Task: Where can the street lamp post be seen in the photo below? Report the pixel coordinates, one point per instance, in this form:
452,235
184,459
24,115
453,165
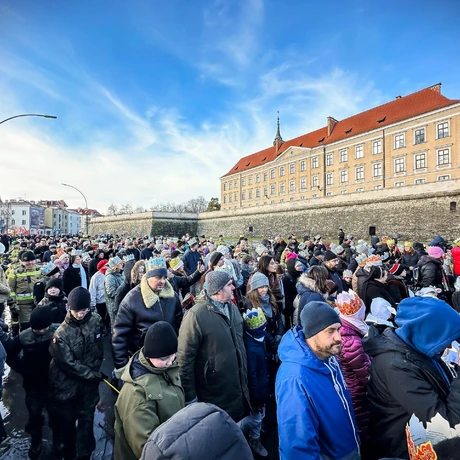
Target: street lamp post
28,115
86,206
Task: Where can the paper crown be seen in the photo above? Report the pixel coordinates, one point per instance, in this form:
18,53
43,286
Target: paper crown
176,263
114,261
191,242
348,303
373,260
254,319
128,258
155,263
76,252
48,268
361,259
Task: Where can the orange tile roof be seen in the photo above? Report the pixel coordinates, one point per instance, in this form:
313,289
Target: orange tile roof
423,101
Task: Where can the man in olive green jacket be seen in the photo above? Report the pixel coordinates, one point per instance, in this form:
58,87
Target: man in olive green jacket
151,393
211,353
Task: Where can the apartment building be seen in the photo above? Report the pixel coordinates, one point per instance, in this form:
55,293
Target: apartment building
411,140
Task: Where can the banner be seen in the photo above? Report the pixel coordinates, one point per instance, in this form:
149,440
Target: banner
37,218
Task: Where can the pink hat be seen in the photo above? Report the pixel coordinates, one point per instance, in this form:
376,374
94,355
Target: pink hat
435,252
291,255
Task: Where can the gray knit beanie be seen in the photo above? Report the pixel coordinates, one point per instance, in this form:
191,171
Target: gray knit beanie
215,281
317,316
259,280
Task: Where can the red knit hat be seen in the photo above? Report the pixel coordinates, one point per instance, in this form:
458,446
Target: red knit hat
102,264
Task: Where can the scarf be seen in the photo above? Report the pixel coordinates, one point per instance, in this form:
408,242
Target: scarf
266,305
357,320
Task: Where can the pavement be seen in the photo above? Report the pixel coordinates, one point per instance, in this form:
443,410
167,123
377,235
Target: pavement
14,414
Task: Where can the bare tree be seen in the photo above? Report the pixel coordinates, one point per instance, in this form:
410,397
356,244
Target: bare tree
139,209
112,210
126,209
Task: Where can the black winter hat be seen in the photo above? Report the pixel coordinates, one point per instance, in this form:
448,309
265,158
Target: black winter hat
317,316
41,317
317,252
329,255
55,282
79,299
27,256
215,257
160,340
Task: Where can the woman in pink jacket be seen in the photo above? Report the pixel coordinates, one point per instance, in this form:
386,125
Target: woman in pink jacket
355,363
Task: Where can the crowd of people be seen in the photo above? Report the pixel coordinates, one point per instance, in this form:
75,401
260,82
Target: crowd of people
347,342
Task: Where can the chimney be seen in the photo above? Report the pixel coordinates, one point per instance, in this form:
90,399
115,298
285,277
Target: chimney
331,122
436,87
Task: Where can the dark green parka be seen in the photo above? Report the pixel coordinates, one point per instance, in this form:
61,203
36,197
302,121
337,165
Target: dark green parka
212,357
77,352
149,397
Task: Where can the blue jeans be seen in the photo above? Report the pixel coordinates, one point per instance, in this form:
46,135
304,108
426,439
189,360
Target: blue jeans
252,422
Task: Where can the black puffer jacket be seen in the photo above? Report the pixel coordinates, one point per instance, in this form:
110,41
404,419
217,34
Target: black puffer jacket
125,287
430,272
182,283
58,305
198,431
138,311
92,266
373,289
404,382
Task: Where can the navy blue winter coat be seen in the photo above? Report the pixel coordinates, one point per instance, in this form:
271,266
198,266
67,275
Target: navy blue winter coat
190,260
259,389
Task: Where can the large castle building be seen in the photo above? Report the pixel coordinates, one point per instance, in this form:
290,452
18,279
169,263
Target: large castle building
411,140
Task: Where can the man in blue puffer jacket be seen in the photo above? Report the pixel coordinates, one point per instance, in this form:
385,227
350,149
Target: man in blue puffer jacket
315,413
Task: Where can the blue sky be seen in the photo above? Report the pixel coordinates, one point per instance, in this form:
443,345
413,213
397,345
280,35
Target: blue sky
157,100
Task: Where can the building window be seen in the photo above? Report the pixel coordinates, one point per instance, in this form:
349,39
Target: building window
376,169
360,173
292,168
303,166
443,157
265,176
250,195
257,192
13,222
420,161
400,165
377,187
329,179
343,156
314,162
314,195
314,181
243,195
291,199
272,189
225,186
344,176
292,186
225,199
419,136
272,173
329,193
243,181
23,222
399,184
400,141
443,130
303,183
229,197
343,192
235,197
257,178
359,151
445,177
24,212
453,206
302,197
230,185
329,159
249,180
360,189
282,187
377,147
281,171
420,181
281,200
